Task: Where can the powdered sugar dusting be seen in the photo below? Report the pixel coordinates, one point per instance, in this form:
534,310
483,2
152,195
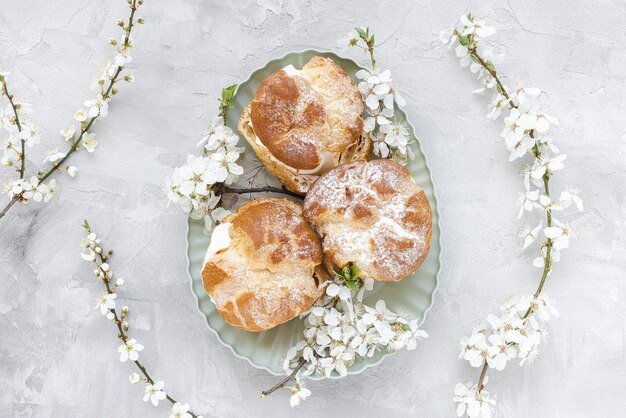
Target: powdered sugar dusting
371,214
324,116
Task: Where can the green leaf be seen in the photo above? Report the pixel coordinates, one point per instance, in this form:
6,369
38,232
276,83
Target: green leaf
405,327
364,34
464,40
355,270
1,78
86,225
351,285
345,272
227,94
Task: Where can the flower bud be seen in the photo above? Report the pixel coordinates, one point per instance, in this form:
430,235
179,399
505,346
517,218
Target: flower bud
104,267
71,170
134,378
120,282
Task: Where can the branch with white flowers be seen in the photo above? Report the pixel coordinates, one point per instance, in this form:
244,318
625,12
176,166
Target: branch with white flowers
198,185
340,329
94,253
521,327
390,138
24,134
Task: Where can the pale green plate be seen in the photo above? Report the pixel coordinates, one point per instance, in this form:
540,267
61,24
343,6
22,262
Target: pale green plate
266,350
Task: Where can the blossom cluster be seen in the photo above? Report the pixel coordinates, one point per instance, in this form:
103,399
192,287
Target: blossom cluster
522,325
390,137
340,329
22,134
515,333
93,252
191,185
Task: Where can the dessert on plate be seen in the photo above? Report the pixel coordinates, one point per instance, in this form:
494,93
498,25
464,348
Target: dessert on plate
263,265
302,123
373,215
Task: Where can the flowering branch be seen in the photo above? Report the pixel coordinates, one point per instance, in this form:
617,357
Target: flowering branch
23,191
340,329
522,325
198,185
16,115
289,378
129,350
390,138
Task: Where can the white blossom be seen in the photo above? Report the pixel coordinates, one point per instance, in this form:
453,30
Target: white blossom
471,402
530,235
130,350
349,39
569,196
106,302
68,133
559,234
89,142
475,26
80,115
154,392
97,107
298,393
180,411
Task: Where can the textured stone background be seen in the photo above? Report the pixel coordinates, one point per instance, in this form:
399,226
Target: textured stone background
58,356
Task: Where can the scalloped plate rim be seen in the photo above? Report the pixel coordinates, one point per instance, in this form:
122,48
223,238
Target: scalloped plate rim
435,208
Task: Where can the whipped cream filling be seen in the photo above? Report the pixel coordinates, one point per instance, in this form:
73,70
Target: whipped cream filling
291,70
220,240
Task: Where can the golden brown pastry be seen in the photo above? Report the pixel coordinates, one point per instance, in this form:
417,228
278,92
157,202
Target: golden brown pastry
303,123
371,214
263,265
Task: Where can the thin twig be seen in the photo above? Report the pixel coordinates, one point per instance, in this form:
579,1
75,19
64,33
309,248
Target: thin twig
8,206
286,380
265,189
19,128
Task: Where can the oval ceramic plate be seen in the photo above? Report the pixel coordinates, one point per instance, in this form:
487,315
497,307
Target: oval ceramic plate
266,350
